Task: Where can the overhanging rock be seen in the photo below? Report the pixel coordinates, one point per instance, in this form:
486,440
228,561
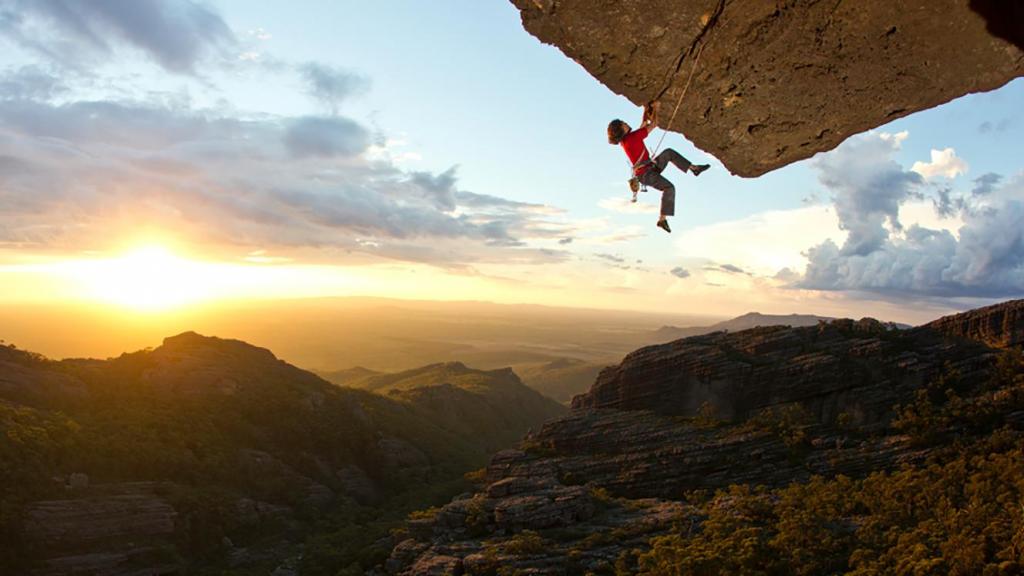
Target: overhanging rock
781,80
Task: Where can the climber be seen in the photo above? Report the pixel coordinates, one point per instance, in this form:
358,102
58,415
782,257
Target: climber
647,172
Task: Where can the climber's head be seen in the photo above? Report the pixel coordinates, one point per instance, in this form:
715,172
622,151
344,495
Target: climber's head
617,130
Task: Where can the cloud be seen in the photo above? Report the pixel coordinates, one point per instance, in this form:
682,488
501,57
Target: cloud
986,183
624,206
325,137
985,259
565,241
762,243
680,272
175,34
944,163
868,187
81,175
946,206
331,86
731,269
610,258
30,83
988,127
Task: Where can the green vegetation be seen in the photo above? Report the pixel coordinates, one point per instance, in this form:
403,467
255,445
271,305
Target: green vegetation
216,421
961,516
961,513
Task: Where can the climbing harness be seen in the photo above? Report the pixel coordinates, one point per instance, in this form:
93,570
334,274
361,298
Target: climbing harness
635,185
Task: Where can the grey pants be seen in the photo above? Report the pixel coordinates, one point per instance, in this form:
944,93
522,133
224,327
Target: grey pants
654,179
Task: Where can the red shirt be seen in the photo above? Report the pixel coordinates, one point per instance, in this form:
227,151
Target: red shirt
633,144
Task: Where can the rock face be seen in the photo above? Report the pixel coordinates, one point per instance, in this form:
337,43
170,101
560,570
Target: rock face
999,326
767,406
779,81
858,367
86,535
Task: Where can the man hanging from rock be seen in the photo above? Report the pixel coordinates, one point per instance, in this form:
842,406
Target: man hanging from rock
646,171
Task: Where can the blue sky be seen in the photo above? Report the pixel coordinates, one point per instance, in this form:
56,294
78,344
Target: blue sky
432,86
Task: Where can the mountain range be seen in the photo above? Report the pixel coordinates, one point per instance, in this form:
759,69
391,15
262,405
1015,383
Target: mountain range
206,454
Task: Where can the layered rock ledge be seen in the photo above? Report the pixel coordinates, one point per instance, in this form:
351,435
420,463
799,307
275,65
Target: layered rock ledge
766,406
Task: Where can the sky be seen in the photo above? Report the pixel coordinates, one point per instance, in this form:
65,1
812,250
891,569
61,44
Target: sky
161,153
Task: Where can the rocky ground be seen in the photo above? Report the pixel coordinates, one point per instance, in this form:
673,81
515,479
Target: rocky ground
767,406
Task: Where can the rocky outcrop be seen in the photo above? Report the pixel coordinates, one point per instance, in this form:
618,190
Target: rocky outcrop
766,406
88,535
779,81
858,367
82,521
998,326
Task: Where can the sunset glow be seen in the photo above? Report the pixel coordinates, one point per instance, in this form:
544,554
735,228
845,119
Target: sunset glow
148,278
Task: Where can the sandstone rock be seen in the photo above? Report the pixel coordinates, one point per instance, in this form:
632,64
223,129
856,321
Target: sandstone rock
403,554
518,485
778,82
842,366
128,563
435,565
998,326
553,507
74,523
632,437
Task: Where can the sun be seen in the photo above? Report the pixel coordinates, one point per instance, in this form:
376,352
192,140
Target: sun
149,278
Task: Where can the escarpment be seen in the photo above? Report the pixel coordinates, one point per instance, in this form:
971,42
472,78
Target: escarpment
777,82
673,423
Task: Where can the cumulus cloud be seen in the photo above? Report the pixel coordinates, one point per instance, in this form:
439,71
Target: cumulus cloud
946,205
868,187
984,259
175,34
944,163
680,272
331,86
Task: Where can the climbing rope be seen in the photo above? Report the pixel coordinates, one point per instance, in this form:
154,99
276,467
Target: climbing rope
693,69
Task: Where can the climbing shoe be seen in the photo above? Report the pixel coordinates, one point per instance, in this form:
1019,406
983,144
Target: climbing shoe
663,224
698,168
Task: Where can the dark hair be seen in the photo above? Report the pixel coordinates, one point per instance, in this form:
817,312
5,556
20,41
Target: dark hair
616,131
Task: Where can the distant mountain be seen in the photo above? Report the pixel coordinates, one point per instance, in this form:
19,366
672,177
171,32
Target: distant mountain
207,452
744,322
348,376
489,405
560,379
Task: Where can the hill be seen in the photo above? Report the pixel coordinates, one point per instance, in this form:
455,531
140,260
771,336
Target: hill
204,455
492,406
848,447
744,322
